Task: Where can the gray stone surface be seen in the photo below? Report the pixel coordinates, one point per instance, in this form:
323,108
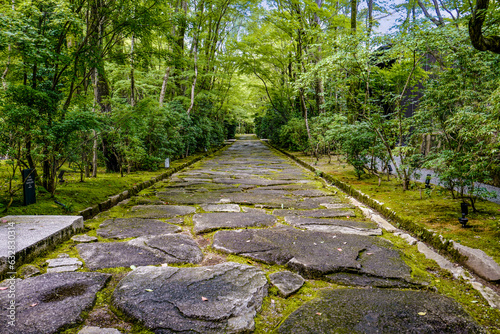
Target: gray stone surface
479,262
380,311
122,228
50,302
312,193
316,254
83,238
98,330
62,264
319,213
101,255
206,222
173,248
218,299
33,235
161,211
221,207
286,282
334,225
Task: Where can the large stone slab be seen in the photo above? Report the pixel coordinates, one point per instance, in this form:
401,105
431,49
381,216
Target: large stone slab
221,207
49,303
211,197
267,200
173,248
380,311
31,235
206,222
318,213
334,225
100,255
122,228
316,254
218,299
161,211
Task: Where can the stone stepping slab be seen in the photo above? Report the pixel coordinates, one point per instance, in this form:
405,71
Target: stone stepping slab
267,200
318,213
316,254
173,248
206,222
142,251
253,181
62,264
221,207
223,298
211,197
311,193
334,225
286,282
50,302
100,255
122,228
380,311
161,211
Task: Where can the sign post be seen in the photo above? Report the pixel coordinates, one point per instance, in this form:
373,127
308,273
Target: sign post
167,162
29,186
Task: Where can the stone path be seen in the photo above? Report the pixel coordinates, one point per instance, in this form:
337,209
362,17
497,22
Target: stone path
244,242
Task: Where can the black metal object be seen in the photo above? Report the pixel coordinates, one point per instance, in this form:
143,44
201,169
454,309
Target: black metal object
29,186
465,211
61,176
428,181
389,169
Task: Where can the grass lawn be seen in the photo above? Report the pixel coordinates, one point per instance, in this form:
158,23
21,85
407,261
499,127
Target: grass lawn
438,212
73,193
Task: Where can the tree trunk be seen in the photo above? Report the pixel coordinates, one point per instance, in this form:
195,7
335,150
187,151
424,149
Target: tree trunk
354,14
94,155
479,41
132,80
164,86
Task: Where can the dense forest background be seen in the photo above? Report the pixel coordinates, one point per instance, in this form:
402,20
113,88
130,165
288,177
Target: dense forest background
125,84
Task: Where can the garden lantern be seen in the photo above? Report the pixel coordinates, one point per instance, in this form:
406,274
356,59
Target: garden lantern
465,211
428,181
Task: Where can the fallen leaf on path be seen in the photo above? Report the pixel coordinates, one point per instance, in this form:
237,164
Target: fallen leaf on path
204,299
339,249
149,290
422,313
133,267
3,288
34,304
317,313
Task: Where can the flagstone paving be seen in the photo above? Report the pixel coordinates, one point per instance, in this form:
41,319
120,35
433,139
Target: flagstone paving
195,254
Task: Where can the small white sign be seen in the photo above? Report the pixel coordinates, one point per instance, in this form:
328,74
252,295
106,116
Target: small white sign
167,163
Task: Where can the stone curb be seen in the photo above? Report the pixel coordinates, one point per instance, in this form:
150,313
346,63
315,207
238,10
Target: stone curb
93,211
447,247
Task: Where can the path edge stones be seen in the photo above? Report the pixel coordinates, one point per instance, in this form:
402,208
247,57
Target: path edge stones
112,201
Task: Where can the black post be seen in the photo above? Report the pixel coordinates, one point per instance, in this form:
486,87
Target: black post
29,186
